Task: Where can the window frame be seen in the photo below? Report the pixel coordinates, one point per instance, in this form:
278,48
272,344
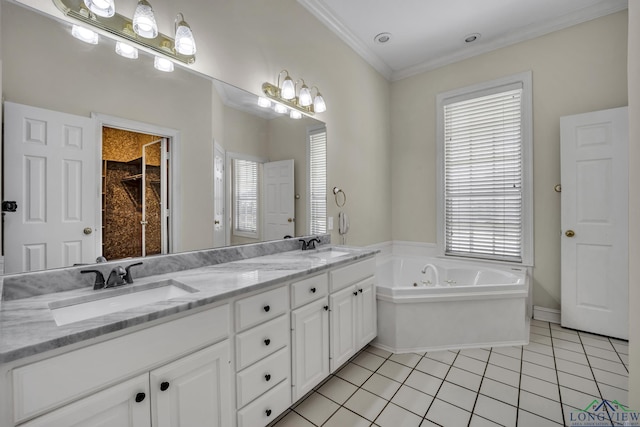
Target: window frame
524,80
231,157
311,131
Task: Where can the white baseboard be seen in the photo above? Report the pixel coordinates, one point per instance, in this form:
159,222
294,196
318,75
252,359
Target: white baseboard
546,314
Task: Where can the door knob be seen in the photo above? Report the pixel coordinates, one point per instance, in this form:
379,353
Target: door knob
569,233
290,220
87,230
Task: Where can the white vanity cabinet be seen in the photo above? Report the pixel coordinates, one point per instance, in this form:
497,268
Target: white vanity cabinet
353,314
309,334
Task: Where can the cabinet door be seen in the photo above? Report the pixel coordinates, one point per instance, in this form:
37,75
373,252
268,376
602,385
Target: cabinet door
342,318
366,313
193,391
310,342
123,405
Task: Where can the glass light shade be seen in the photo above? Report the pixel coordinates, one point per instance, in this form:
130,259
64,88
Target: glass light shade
185,43
318,104
304,98
105,8
163,64
288,90
295,114
84,34
264,102
144,21
280,109
126,50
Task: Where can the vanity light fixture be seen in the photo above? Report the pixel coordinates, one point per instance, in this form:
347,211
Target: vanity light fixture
84,34
126,50
285,95
162,64
141,32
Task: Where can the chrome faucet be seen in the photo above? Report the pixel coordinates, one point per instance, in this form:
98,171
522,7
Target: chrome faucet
435,274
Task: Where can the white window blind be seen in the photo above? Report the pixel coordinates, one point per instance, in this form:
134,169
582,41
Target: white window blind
245,195
318,181
483,177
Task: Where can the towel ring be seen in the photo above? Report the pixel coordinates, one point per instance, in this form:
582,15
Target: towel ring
337,192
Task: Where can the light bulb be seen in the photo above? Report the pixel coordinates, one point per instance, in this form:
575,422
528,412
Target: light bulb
105,8
84,34
126,50
288,90
318,104
185,43
295,114
163,64
144,21
280,109
264,102
305,96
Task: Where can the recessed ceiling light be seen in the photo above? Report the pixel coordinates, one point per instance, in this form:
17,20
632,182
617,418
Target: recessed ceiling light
382,38
470,38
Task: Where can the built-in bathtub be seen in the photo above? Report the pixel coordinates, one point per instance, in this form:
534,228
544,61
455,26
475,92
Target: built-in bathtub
472,306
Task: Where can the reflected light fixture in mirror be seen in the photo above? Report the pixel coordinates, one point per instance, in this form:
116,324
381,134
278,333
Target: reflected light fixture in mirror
144,21
163,64
104,8
280,109
84,34
285,94
126,50
295,114
264,102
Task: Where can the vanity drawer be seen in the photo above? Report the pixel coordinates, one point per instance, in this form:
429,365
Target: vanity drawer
345,276
261,341
47,384
267,407
256,379
308,290
261,307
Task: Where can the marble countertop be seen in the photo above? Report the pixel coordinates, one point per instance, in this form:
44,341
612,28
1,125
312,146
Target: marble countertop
27,326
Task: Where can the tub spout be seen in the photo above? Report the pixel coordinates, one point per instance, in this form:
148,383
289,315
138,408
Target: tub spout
436,279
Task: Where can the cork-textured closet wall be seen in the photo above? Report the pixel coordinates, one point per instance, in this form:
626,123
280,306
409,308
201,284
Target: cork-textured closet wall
122,203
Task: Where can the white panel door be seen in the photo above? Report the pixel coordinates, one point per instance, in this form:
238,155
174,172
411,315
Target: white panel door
279,200
193,391
310,342
123,405
366,312
50,171
342,321
219,225
594,220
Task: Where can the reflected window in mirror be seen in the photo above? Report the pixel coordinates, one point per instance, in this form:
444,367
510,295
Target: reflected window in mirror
317,149
245,194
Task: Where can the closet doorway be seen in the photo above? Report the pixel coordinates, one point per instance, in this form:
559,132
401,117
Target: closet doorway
135,171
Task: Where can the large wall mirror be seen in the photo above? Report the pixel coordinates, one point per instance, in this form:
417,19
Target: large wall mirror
109,157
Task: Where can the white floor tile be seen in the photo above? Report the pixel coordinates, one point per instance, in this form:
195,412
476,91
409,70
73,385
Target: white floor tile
503,375
395,371
540,387
565,334
293,420
365,404
574,368
544,349
540,405
478,421
540,323
541,372
464,378
571,356
624,358
476,353
602,354
368,360
515,352
407,359
568,345
598,342
469,364
337,390
457,395
394,416
317,408
412,400
539,339
615,380
344,417
607,365
495,410
575,398
497,390
424,382
447,415
613,393
381,386
578,383
355,374
540,330
433,367
537,358
427,423
378,351
442,356
527,419
505,362
620,346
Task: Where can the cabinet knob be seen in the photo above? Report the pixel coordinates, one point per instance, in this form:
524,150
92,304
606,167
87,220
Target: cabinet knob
326,308
164,386
313,290
355,293
140,397
267,308
267,341
267,377
268,412
360,290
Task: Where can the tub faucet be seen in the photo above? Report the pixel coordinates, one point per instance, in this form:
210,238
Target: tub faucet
435,274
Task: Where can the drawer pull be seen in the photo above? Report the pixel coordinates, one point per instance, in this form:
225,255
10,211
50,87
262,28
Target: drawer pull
164,386
140,397
313,290
268,412
326,308
267,308
267,377
267,341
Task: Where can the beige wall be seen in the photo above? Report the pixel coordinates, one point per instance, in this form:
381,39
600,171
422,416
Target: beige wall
634,204
579,69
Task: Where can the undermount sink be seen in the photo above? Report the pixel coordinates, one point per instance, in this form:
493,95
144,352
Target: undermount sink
329,253
114,300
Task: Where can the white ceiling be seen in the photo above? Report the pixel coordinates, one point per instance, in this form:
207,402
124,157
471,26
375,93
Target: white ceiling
428,34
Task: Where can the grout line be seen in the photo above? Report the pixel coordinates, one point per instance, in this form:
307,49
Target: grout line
473,408
555,366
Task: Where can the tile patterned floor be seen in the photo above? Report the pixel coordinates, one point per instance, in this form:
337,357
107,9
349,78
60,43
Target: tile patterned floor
541,384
